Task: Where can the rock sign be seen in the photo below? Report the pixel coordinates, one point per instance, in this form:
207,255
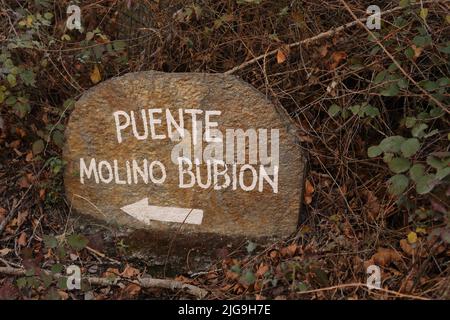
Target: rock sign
205,152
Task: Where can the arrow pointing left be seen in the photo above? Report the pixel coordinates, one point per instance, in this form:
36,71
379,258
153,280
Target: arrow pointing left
144,212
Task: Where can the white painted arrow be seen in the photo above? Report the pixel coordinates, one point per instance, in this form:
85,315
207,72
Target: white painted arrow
144,212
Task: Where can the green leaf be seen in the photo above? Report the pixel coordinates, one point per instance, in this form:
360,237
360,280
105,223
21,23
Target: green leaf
418,130
11,80
248,277
435,162
58,138
398,184
409,53
374,151
429,85
410,147
77,241
392,144
119,45
38,146
355,109
399,165
28,78
442,173
443,82
379,78
21,282
425,184
404,3
334,110
387,157
371,111
57,268
50,241
391,91
423,13
416,171
11,100
410,122
422,41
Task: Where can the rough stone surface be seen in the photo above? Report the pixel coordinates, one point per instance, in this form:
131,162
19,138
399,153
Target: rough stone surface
91,133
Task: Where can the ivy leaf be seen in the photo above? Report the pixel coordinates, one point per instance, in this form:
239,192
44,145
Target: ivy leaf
398,184
77,241
399,165
374,151
410,147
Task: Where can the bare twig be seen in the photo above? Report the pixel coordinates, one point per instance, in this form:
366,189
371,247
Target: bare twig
142,282
322,35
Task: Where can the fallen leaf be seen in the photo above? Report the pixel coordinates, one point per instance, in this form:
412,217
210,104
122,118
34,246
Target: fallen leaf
130,272
111,272
309,190
412,237
263,268
131,291
372,205
95,75
8,291
4,252
22,240
417,51
323,50
407,248
281,56
2,213
384,256
337,57
21,217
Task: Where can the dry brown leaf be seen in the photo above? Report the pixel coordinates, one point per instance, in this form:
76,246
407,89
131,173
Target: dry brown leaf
263,268
23,183
21,217
22,240
384,256
131,291
2,213
309,190
4,252
281,56
417,51
95,75
323,50
130,272
372,205
111,272
337,57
